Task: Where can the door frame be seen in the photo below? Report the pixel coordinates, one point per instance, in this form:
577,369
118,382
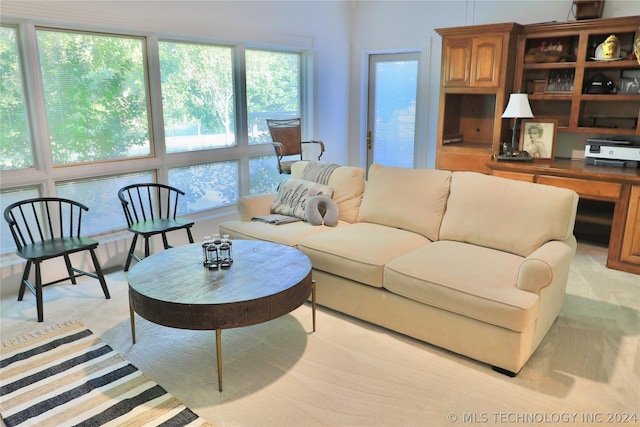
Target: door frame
427,95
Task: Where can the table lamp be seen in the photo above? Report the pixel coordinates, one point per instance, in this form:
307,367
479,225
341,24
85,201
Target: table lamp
517,108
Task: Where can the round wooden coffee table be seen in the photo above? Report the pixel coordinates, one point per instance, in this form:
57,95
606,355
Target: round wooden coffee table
267,280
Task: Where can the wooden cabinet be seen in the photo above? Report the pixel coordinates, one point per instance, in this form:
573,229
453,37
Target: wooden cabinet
472,62
553,63
557,61
477,76
630,252
616,187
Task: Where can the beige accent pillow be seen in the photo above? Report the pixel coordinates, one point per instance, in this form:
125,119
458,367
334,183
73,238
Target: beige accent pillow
410,199
348,186
293,195
508,215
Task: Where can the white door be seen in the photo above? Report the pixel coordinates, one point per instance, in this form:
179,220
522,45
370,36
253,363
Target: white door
393,88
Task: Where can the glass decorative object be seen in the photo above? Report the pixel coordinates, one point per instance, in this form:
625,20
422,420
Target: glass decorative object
226,258
210,258
205,257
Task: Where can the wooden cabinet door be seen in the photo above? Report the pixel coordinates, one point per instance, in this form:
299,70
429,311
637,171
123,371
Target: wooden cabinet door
457,62
485,61
631,239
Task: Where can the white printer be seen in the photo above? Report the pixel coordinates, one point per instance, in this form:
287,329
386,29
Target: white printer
611,152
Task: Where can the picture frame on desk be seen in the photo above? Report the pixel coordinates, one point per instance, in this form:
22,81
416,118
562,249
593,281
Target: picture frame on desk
538,138
560,81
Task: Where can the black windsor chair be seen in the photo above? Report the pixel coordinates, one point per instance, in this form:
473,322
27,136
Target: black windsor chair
151,209
45,228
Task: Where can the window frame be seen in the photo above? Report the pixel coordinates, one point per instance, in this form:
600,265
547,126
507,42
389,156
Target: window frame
44,175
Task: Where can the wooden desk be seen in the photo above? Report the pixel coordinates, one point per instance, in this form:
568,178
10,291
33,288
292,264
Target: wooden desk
620,186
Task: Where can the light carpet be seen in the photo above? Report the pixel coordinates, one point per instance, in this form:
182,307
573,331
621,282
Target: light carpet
66,376
350,373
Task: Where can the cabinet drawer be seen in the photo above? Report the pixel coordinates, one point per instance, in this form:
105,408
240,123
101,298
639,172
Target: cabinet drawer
463,162
519,176
585,188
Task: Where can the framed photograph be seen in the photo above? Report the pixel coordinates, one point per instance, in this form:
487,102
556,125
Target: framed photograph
538,138
630,82
560,81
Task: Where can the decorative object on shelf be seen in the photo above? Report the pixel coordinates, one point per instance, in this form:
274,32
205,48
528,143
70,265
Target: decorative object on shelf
549,51
588,9
517,108
538,138
560,81
515,156
630,82
510,155
600,84
225,257
608,50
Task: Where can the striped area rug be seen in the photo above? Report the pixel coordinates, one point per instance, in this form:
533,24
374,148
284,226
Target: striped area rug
66,376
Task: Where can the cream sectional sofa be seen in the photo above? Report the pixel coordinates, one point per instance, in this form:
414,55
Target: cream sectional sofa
472,263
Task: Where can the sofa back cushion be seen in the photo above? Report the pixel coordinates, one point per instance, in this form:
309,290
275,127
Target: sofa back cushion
508,215
410,199
348,185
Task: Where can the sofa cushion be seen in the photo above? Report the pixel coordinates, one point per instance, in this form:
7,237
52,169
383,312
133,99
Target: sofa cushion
476,282
505,214
293,195
359,251
348,185
411,199
287,234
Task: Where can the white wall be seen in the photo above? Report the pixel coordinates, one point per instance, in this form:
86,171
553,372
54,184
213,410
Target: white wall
382,26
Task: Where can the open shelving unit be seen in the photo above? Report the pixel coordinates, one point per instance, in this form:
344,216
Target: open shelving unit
614,114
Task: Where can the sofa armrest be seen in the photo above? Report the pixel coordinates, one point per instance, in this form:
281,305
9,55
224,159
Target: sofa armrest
547,264
250,206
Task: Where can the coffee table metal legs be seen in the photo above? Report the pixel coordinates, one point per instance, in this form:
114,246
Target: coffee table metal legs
313,303
133,322
219,356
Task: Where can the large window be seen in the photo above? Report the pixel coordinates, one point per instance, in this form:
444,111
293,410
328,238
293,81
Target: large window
206,186
111,110
197,96
273,90
15,141
95,93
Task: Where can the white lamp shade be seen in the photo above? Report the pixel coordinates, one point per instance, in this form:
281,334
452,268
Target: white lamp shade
518,107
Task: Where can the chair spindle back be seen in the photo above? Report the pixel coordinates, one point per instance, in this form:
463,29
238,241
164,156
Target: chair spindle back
149,201
39,219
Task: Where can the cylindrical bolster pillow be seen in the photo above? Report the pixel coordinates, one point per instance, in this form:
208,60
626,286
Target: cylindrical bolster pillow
321,210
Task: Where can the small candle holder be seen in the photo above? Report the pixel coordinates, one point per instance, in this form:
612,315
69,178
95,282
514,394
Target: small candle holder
210,258
206,240
226,258
213,260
